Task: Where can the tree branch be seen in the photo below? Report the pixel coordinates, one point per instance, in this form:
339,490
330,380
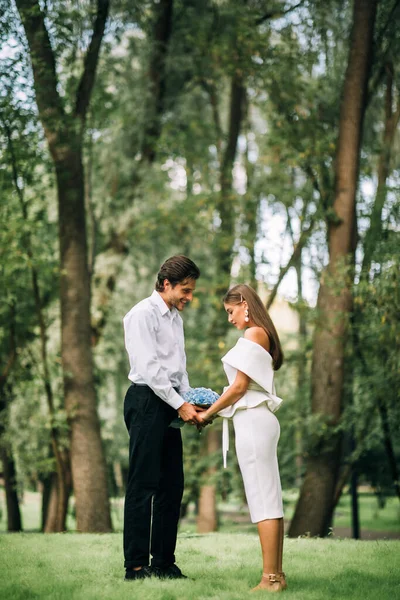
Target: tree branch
12,355
43,65
157,76
276,14
391,19
91,60
210,88
305,234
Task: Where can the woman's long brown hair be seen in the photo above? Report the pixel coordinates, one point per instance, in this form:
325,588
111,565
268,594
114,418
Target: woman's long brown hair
259,315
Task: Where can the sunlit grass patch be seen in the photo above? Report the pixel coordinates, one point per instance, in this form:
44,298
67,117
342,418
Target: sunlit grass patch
220,566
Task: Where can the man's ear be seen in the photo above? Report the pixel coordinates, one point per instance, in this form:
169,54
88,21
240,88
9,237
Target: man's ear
167,284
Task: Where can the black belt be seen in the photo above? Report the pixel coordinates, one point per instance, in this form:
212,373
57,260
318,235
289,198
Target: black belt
145,385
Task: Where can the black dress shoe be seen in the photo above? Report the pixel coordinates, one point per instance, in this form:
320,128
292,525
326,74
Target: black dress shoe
143,573
171,572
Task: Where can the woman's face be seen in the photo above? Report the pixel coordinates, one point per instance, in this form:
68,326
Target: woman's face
236,314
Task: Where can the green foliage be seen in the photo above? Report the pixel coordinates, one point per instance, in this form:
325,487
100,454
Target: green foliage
138,214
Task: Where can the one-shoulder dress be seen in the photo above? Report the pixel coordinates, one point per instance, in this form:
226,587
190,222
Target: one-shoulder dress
256,428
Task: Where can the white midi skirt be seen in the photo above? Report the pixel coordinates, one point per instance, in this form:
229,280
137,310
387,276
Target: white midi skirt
257,433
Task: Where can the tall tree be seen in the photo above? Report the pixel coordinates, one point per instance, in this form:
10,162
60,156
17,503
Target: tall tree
391,121
14,521
313,512
64,131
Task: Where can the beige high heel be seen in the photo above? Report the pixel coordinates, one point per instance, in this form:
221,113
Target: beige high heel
270,582
283,579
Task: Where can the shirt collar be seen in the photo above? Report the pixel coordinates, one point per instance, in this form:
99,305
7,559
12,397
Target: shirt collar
162,306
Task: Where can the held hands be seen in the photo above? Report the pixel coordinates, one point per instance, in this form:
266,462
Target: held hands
189,413
203,420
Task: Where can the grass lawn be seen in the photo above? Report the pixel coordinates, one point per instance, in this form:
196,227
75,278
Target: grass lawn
222,566
372,517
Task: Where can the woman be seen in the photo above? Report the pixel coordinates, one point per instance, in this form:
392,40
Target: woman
250,401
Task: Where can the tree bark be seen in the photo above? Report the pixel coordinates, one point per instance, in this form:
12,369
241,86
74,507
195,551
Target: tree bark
64,136
157,78
225,206
207,519
301,371
250,212
387,441
87,457
371,239
14,521
314,508
392,117
61,457
223,258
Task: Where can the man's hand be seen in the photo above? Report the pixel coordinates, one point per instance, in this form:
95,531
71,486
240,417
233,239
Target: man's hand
188,413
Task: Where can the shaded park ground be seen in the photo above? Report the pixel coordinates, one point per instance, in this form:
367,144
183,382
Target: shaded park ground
376,522
223,565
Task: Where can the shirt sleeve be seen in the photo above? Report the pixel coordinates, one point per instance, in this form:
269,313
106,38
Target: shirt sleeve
140,341
184,387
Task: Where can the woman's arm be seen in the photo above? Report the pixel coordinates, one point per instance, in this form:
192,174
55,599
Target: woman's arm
234,392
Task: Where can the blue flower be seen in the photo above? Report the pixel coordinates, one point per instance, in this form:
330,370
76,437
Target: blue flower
200,396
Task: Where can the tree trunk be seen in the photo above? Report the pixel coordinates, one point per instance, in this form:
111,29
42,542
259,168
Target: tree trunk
223,257
154,107
392,117
46,484
87,457
51,520
61,457
207,519
301,374
64,133
314,508
14,522
387,441
56,494
225,205
371,239
250,211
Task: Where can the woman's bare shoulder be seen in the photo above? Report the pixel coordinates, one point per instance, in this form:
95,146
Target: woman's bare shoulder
257,335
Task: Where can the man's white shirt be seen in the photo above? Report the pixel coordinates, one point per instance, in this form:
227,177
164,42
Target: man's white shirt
154,340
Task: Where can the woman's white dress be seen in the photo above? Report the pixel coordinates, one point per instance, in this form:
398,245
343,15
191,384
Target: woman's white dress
256,429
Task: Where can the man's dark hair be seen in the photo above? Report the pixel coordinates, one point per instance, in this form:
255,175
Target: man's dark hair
176,269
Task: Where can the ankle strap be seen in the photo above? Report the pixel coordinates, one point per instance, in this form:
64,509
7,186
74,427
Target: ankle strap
273,577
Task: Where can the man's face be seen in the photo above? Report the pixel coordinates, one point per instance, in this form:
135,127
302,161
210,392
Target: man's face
180,294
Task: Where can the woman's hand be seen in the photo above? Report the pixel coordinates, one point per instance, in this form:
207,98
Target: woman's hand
203,420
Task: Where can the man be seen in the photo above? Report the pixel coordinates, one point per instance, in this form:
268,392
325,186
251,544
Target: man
154,341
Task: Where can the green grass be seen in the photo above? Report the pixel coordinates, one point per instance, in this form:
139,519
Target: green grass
222,567
372,517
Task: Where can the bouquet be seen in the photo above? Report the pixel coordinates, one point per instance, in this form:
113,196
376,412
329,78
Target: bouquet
200,396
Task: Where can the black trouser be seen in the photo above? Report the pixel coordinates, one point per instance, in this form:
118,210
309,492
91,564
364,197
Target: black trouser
155,481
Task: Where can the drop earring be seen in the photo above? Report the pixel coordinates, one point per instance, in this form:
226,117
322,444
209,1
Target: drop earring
246,315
